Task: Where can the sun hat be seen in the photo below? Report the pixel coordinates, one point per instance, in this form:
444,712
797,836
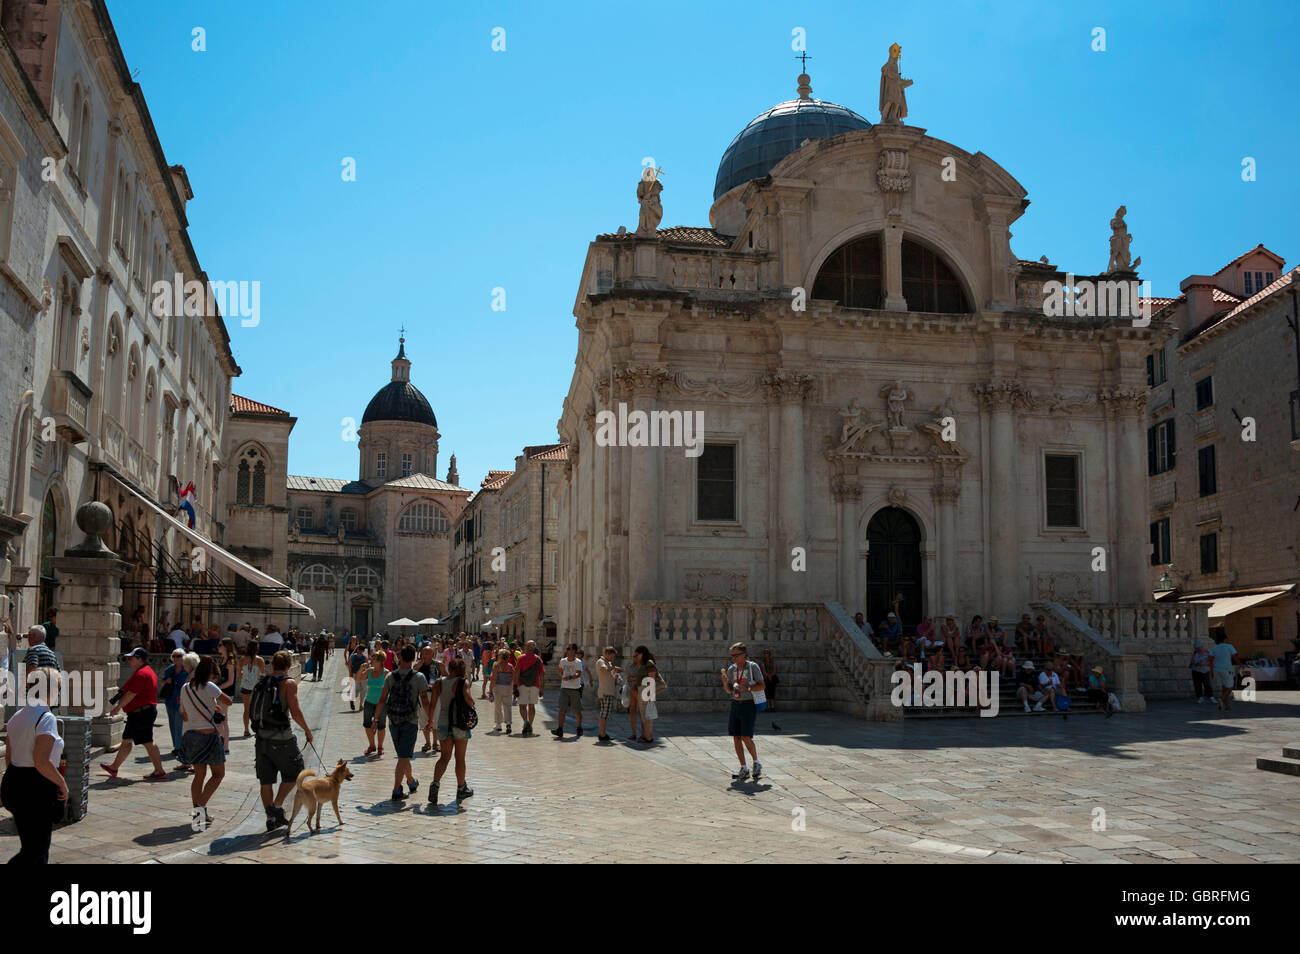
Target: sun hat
1029,664
1098,670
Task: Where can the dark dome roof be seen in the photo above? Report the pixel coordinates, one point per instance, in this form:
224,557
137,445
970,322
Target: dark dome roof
773,135
399,401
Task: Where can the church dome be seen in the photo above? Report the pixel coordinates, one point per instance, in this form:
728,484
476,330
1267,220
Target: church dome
399,399
774,134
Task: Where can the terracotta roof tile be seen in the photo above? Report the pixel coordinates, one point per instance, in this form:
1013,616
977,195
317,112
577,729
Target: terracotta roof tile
547,452
678,235
1258,248
1286,279
496,479
243,405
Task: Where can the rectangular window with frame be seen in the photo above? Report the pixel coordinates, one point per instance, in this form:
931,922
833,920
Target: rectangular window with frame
381,465
715,483
1207,473
1250,286
1204,392
1160,447
1157,369
1061,477
1210,553
406,465
1264,629
1160,542
304,518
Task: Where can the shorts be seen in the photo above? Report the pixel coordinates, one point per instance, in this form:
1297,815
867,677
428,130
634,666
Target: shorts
277,756
456,735
139,725
528,695
605,705
200,749
1223,679
740,723
404,735
368,717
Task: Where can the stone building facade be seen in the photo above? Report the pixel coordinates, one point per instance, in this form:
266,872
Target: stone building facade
529,509
368,551
887,408
135,393
255,499
472,584
1223,411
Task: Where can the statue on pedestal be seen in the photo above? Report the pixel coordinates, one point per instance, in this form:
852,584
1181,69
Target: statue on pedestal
893,99
895,396
1119,244
652,212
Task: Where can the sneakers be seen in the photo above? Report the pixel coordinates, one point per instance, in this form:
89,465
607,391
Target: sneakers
463,792
558,733
433,794
398,795
497,727
1199,700
1026,705
602,738
275,817
578,734
758,770
1038,707
412,785
508,729
742,775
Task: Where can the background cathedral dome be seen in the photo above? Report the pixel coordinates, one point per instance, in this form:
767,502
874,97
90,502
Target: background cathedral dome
399,399
774,134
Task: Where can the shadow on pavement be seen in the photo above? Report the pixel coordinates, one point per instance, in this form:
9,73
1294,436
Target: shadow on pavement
165,836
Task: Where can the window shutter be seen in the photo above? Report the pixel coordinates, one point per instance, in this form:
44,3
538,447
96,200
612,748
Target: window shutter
1170,436
1151,450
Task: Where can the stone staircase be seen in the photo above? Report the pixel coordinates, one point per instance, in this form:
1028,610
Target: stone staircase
1008,704
1288,764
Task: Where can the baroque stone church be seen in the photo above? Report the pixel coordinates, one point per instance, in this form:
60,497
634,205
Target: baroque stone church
359,552
888,412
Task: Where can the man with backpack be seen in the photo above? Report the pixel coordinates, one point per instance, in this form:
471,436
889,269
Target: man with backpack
404,688
528,685
273,703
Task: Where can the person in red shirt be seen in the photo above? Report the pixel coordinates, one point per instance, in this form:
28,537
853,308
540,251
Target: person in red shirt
529,676
139,702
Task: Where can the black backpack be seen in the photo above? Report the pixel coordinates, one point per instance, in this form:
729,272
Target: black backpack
267,709
459,715
401,700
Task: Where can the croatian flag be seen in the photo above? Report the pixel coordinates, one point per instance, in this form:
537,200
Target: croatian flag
186,496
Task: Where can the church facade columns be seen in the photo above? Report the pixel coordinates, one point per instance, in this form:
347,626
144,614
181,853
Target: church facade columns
788,389
999,399
847,492
639,385
1126,406
945,492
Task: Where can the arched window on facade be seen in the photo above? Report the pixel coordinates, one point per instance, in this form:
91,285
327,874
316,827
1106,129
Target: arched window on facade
115,360
317,575
424,517
74,128
853,276
929,284
250,478
84,143
135,388
120,216
362,576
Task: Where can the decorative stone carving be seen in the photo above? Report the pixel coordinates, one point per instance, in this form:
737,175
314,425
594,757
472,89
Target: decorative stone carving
1119,244
946,490
1003,394
85,342
47,296
855,428
896,395
892,174
893,98
935,428
787,385
715,387
132,366
1122,400
846,488
148,390
897,496
641,379
652,211
713,585
113,341
1062,587
1059,403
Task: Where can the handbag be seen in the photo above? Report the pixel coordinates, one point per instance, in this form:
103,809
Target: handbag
1114,703
471,717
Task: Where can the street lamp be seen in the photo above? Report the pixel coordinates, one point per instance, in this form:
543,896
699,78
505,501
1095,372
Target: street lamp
1165,584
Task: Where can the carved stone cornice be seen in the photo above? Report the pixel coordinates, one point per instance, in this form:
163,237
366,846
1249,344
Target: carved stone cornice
787,386
846,488
892,174
1001,395
640,379
1060,403
946,491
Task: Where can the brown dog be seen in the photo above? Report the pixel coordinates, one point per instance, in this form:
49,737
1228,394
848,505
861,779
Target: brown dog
315,792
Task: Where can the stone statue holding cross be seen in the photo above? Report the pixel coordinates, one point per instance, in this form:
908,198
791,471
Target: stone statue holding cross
652,212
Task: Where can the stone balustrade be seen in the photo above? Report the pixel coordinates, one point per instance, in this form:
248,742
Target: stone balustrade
1123,621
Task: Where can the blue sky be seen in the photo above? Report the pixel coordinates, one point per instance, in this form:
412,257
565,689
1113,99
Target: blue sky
478,169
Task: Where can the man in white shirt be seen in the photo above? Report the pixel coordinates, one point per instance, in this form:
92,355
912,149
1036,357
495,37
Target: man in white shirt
1223,657
178,637
570,690
272,635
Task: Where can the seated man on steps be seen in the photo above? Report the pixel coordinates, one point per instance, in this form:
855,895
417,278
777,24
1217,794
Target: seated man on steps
1027,687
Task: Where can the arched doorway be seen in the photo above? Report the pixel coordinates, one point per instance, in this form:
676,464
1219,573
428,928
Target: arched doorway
894,567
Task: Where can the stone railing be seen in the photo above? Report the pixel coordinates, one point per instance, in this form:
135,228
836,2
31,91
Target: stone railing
865,670
330,546
114,440
1120,621
1071,631
727,621
69,404
134,459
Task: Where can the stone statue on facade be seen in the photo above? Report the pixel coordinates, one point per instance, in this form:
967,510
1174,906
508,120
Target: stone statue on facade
652,211
895,396
855,427
1119,244
893,99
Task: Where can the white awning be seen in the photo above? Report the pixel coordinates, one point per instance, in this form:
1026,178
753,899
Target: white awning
428,621
498,620
1225,606
226,559
403,622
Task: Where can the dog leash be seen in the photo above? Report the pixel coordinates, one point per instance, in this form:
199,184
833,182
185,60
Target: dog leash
320,761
